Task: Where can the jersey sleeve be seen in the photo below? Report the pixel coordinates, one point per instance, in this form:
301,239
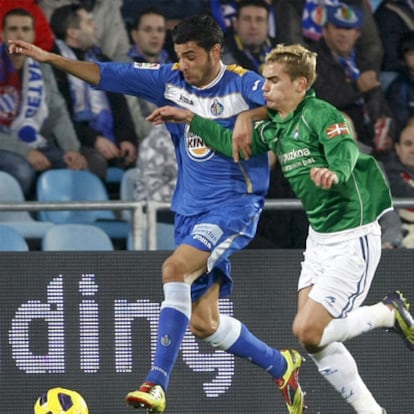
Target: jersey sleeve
142,80
337,138
221,139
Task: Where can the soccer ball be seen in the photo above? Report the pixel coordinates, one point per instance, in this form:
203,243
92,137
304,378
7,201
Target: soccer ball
60,401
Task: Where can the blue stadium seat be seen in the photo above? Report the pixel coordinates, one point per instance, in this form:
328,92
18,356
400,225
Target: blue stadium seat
76,237
114,175
11,240
73,185
22,221
165,238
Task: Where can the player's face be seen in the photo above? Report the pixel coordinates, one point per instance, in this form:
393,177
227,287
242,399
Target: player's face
340,40
198,67
279,91
19,28
150,35
405,148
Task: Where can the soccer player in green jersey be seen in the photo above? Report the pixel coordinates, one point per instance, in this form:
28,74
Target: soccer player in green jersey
344,193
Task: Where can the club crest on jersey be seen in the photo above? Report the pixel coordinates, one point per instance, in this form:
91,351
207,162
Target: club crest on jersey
197,150
216,108
146,65
335,130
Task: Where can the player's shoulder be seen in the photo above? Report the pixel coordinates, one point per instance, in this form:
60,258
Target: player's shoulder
237,69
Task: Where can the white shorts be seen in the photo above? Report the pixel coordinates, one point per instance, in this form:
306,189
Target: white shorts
340,267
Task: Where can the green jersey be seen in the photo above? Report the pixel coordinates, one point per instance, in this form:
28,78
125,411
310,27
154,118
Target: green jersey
315,135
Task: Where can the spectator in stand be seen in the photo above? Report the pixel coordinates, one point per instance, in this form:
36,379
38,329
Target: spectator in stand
313,16
43,33
349,81
284,22
394,19
148,33
400,171
33,114
112,36
248,43
102,120
400,92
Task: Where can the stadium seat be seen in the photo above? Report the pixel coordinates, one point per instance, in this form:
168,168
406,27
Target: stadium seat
11,240
165,238
127,189
73,185
22,221
114,175
76,237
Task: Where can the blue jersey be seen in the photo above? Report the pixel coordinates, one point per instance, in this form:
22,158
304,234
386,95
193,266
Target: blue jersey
206,179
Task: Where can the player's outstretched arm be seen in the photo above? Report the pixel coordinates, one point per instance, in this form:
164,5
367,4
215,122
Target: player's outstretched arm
87,71
170,114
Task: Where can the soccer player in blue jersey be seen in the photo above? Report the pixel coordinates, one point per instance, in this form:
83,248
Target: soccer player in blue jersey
217,202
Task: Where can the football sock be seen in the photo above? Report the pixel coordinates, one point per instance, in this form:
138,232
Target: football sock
357,322
234,337
337,365
174,317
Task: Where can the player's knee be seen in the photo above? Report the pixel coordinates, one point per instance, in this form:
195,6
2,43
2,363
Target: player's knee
307,334
201,328
172,271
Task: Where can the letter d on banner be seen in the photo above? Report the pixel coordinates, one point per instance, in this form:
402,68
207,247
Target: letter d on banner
52,313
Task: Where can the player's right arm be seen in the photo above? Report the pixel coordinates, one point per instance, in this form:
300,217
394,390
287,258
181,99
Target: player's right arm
88,71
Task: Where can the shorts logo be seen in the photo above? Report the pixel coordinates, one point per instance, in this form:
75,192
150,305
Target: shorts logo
207,233
197,150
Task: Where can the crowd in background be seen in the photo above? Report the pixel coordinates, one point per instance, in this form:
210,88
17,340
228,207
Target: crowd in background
365,68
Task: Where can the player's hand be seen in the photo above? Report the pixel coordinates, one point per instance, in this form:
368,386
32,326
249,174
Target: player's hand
20,47
242,136
170,114
323,177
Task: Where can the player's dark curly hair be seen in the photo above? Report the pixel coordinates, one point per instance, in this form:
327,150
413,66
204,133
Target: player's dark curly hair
202,30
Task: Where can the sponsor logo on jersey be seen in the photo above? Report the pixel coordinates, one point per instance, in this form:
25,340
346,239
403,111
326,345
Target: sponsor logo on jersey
294,154
196,148
216,108
335,130
146,65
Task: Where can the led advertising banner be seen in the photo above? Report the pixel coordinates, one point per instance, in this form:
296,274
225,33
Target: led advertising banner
88,321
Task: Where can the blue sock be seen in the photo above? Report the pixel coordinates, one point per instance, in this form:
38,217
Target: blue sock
259,353
171,330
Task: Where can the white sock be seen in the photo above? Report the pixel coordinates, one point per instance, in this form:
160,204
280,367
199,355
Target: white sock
177,295
360,320
337,365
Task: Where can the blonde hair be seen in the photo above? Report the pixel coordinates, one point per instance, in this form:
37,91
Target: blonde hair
298,61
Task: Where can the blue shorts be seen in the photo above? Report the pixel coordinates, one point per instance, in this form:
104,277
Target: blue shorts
227,229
